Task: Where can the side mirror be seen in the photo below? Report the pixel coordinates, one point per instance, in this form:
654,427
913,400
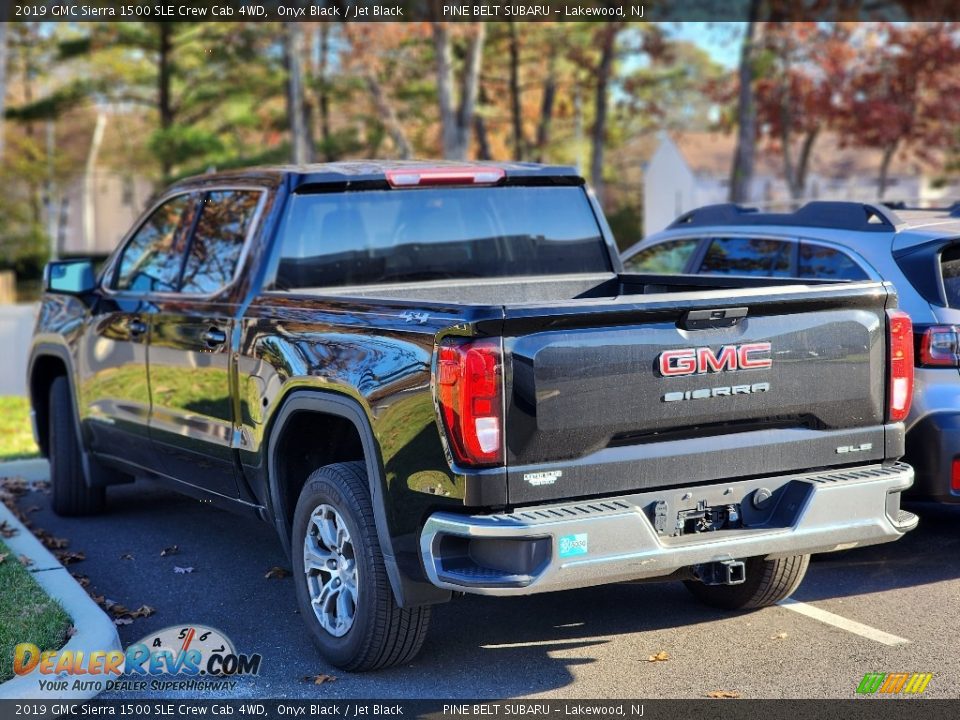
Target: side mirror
70,277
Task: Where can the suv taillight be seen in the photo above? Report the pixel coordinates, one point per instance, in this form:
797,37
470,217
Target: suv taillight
468,387
940,346
900,344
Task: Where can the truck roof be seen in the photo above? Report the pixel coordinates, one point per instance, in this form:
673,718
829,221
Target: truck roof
365,171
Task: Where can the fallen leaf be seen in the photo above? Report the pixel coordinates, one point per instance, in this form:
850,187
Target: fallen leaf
122,621
172,550
3,556
142,612
98,599
32,509
318,679
7,530
69,557
50,542
116,608
182,570
24,560
83,580
71,631
723,694
779,636
126,556
659,657
276,573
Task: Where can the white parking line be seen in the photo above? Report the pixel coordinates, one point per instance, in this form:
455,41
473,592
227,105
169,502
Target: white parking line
871,633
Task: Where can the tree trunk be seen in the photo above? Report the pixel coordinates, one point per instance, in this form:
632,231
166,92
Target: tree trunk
470,90
480,128
164,78
389,117
516,106
324,93
888,153
803,162
741,174
546,105
3,82
90,184
457,123
448,119
301,142
604,70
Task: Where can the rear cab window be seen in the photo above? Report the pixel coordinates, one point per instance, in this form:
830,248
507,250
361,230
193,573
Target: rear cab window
373,237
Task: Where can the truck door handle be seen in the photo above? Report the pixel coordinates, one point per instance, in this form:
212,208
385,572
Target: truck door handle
137,328
214,337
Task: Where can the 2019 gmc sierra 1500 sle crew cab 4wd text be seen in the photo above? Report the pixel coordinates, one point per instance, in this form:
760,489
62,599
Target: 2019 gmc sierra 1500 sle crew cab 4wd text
436,379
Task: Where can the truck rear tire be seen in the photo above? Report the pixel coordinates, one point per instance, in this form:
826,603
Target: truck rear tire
72,496
343,591
767,583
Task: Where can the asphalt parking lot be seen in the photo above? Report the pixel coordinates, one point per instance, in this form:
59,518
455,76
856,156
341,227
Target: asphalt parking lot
888,608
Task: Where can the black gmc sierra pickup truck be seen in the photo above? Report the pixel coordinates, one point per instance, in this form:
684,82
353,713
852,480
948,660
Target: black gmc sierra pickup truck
436,379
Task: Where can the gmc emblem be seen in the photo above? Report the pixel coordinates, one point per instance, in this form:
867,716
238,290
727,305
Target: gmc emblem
697,361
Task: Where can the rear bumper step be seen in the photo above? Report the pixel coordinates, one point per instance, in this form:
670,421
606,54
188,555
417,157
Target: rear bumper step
634,537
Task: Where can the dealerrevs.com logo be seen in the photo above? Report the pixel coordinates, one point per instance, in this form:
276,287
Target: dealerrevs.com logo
898,683
199,657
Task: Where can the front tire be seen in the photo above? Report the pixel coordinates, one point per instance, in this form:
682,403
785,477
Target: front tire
72,496
341,580
767,583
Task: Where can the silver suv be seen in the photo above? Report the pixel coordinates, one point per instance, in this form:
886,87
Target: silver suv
918,250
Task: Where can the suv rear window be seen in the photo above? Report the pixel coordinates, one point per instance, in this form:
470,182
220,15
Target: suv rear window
950,271
386,236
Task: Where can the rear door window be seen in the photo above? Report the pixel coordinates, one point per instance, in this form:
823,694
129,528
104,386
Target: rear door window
666,257
762,257
818,261
225,220
152,258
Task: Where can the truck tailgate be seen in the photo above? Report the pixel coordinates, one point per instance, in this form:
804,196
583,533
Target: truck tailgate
684,388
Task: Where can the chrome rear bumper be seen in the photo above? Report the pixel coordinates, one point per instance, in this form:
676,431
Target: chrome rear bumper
633,537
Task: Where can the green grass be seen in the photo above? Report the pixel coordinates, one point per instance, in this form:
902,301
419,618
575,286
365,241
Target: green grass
26,613
16,438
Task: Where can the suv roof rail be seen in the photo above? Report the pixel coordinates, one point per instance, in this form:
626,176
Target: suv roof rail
863,217
953,209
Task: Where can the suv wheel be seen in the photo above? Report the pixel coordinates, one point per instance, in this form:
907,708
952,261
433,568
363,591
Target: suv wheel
767,583
342,587
71,494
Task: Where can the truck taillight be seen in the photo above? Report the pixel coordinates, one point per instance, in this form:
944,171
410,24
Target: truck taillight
468,387
940,346
900,344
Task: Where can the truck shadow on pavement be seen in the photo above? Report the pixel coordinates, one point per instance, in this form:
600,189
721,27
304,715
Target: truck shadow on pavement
477,647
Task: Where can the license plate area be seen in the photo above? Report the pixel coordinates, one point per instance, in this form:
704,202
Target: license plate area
704,518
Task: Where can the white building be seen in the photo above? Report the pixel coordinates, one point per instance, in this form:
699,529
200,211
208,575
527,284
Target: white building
691,169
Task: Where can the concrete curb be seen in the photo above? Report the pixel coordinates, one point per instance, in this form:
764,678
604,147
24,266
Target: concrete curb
95,630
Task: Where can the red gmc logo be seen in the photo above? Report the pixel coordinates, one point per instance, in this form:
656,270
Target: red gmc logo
696,361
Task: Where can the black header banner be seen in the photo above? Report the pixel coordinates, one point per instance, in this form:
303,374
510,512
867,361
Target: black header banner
698,709
477,10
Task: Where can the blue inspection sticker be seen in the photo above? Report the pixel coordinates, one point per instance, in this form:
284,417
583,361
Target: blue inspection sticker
570,545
